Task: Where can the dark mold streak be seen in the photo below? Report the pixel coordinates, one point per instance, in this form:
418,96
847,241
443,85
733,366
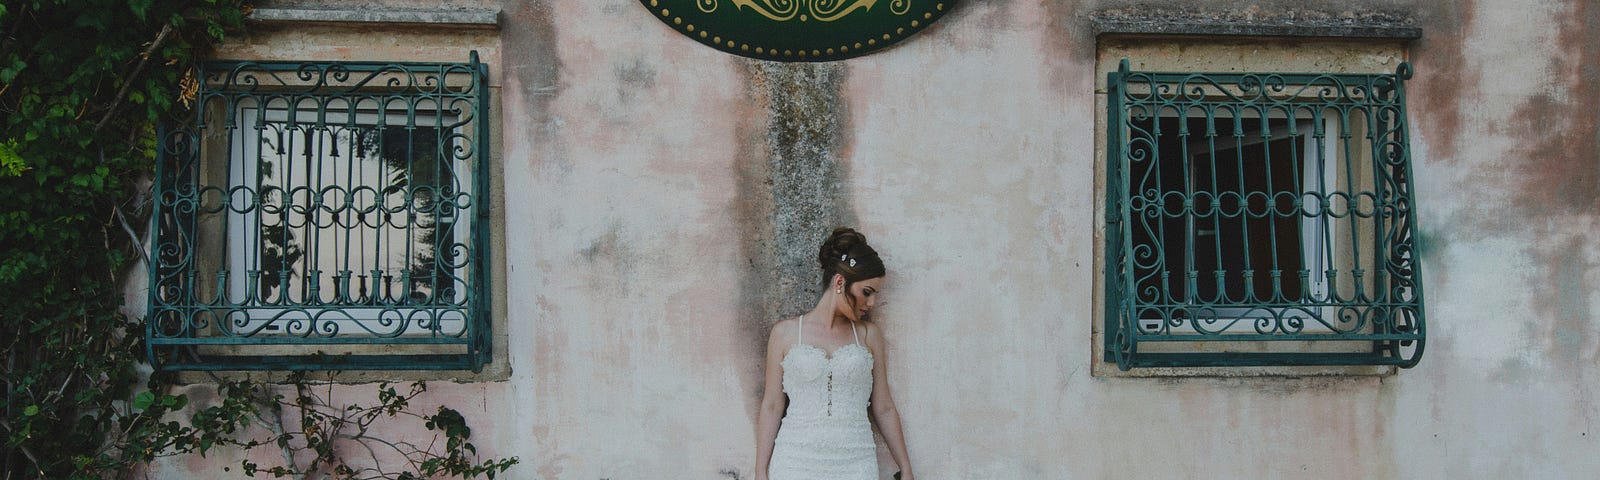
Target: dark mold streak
790,193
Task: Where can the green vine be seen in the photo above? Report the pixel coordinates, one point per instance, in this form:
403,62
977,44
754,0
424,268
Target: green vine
319,438
83,85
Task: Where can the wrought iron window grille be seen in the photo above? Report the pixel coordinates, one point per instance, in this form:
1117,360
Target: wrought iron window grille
1258,219
324,215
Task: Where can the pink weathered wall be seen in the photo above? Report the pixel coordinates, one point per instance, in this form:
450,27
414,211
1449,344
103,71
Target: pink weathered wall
1508,168
644,253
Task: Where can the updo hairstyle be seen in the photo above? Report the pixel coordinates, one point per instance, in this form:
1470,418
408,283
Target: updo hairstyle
846,253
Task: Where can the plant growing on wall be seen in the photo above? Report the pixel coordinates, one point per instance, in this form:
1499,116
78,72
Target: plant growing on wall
83,85
318,438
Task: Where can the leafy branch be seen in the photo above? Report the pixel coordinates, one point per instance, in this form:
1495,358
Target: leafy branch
316,437
83,86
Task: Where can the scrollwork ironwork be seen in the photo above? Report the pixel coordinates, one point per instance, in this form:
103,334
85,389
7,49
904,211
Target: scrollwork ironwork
1250,207
331,204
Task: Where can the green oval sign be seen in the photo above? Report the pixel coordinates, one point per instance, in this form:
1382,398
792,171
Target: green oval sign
798,30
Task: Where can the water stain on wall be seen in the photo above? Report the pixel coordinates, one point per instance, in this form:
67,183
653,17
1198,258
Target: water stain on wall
634,76
988,18
530,56
611,263
1566,321
1556,170
790,195
1559,160
1067,24
1441,60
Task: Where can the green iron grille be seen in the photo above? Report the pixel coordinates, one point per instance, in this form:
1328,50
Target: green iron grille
324,216
1260,219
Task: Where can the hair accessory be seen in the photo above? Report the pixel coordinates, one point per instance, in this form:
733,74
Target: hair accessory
849,261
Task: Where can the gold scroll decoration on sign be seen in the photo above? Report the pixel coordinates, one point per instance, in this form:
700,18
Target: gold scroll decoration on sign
821,10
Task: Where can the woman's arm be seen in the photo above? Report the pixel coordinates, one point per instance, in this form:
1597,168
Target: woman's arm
773,400
883,410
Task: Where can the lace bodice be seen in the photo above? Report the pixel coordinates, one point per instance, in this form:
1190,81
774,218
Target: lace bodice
825,432
828,386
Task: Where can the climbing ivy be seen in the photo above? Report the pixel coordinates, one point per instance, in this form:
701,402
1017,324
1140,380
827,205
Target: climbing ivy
83,84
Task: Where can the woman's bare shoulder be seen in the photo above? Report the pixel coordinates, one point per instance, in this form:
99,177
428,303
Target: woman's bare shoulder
783,330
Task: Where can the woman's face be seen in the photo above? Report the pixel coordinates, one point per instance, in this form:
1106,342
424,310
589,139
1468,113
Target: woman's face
860,298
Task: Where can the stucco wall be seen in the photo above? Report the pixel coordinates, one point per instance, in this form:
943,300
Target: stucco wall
662,199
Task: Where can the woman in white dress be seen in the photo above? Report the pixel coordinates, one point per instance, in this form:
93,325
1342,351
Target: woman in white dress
825,373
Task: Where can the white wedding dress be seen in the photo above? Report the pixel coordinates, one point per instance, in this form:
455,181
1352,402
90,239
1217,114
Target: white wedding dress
825,434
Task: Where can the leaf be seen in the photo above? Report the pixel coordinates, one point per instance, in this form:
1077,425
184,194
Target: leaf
140,8
11,163
30,410
143,400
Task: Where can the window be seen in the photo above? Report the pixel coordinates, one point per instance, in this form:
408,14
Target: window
1259,219
324,216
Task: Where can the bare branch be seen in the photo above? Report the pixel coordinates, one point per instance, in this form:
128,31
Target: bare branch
275,425
144,58
132,237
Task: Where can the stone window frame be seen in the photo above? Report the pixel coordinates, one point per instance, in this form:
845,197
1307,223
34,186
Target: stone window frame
445,35
1178,46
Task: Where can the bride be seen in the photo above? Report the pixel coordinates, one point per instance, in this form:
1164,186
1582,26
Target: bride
824,369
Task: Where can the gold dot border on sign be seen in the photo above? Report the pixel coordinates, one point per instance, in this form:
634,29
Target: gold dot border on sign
716,40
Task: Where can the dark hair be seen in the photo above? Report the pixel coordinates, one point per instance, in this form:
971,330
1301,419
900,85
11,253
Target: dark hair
846,253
